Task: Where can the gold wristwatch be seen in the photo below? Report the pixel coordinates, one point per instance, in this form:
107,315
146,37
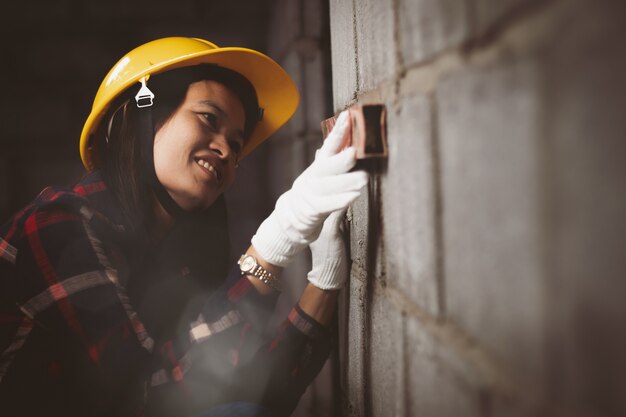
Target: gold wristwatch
248,265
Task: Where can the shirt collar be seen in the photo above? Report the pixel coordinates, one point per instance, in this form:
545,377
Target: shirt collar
93,187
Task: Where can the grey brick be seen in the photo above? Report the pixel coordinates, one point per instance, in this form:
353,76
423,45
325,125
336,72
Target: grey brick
494,276
366,243
502,406
585,182
409,205
358,217
533,167
428,27
489,12
343,53
439,382
386,359
352,345
375,43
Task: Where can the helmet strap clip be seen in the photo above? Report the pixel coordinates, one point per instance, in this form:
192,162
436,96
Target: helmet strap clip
144,97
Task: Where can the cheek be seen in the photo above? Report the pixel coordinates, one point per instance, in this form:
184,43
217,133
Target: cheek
161,155
168,157
170,144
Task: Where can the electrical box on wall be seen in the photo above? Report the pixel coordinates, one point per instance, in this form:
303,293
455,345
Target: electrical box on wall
369,130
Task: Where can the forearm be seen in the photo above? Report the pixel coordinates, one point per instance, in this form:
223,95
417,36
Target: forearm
319,304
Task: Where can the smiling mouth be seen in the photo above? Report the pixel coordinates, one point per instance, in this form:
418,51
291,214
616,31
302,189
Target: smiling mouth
204,164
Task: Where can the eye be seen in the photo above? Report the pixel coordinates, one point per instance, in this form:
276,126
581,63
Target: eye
211,118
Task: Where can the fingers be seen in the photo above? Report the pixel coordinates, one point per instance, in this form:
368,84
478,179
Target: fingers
339,163
351,181
331,223
336,138
331,228
328,204
327,193
335,221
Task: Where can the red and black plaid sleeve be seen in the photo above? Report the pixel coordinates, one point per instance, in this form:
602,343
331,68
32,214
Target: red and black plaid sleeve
76,342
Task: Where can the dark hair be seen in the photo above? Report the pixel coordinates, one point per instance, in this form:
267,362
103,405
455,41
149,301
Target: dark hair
117,148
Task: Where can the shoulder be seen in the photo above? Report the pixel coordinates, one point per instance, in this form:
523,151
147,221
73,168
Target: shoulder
52,245
58,219
53,205
59,207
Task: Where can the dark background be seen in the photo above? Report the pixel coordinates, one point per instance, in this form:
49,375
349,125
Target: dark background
56,53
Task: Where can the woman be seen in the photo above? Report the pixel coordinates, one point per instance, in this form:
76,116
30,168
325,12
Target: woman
114,299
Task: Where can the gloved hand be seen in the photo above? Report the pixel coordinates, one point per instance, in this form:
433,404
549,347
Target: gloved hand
329,260
325,186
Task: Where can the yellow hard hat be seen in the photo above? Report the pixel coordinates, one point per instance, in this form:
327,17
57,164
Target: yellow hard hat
276,92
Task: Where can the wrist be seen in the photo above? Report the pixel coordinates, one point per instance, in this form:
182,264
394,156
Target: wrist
265,276
330,275
319,304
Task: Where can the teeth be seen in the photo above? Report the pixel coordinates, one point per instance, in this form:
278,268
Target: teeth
208,166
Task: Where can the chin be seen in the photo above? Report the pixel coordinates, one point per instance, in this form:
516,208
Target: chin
196,203
202,199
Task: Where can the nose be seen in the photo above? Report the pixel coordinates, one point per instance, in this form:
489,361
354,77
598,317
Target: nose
219,145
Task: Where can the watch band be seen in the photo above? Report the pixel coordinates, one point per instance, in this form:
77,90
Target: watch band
261,273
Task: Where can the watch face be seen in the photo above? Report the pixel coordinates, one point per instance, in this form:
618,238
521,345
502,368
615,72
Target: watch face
247,263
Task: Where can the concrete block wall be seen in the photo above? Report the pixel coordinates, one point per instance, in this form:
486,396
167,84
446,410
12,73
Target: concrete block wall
488,254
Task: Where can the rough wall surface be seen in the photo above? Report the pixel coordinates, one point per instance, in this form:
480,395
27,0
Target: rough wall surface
489,253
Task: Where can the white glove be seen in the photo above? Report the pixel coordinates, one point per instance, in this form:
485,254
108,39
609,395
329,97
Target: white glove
325,186
329,260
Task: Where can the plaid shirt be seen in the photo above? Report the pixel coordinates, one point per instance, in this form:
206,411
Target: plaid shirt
74,341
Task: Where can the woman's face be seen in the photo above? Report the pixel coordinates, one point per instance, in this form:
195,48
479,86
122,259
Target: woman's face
196,149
